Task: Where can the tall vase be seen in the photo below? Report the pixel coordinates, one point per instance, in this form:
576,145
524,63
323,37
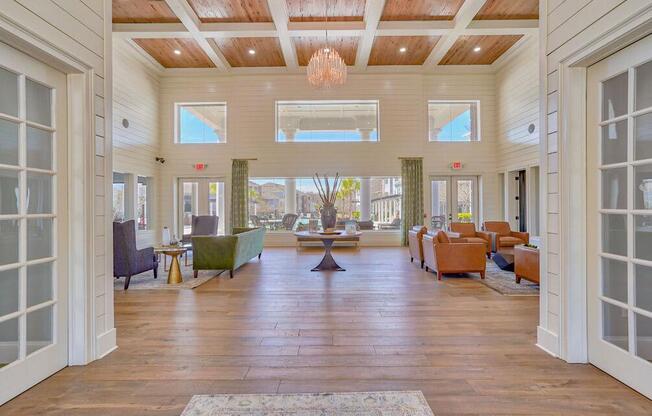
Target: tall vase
328,216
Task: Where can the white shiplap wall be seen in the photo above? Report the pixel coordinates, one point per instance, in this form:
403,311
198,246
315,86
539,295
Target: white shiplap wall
136,89
517,95
403,129
79,28
568,26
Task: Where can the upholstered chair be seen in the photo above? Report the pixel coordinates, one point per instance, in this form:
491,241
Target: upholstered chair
288,221
127,259
467,231
505,237
453,255
415,243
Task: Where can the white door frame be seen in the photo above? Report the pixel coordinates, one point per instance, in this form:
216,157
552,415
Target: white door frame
572,341
83,343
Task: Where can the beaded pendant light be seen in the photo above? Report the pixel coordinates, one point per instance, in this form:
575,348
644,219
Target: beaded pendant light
326,67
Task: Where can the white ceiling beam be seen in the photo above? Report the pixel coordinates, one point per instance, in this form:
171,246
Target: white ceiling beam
280,16
372,14
464,17
189,18
238,30
150,30
502,27
415,28
318,29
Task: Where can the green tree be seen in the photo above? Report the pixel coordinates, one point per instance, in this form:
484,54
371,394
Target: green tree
347,192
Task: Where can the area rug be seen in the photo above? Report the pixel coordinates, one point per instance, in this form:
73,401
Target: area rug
504,282
386,403
146,281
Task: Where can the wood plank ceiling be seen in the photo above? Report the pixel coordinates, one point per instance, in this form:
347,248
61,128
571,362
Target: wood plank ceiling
401,50
142,11
406,35
176,53
251,52
347,47
315,10
421,9
478,50
509,10
227,11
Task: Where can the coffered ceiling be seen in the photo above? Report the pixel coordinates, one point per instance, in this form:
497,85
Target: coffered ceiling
392,35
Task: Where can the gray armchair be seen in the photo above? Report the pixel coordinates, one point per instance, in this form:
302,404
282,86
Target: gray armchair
200,225
127,259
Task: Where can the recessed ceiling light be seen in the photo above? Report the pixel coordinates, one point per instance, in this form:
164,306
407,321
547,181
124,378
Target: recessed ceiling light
177,52
252,51
477,49
402,49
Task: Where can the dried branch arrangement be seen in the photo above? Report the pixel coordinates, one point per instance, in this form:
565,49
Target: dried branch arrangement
327,193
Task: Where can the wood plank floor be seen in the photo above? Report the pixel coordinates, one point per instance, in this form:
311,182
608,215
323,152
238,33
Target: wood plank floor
382,325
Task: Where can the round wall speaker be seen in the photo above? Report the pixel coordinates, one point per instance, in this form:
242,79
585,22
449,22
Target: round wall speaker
531,128
125,123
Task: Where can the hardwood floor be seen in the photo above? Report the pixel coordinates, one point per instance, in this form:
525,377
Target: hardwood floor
382,325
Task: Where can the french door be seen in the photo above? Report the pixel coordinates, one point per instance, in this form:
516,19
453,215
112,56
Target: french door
200,196
33,236
619,202
455,198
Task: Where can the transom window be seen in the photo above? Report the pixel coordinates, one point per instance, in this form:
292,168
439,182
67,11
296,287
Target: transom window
200,123
454,121
327,121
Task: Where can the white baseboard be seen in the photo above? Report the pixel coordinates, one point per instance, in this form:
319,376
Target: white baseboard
548,341
106,343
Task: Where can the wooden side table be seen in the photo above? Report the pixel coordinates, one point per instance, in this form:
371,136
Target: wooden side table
526,263
174,275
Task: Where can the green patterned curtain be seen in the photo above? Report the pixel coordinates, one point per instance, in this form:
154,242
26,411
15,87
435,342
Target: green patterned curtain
412,200
239,193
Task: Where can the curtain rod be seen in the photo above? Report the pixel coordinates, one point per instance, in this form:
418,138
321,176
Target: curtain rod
410,158
251,158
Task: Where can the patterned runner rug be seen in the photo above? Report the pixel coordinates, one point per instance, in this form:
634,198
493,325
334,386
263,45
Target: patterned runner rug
387,403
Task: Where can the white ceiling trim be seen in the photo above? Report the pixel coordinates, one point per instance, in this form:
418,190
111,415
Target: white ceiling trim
372,14
280,16
461,22
189,19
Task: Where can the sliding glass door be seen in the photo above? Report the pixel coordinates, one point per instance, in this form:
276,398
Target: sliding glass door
454,199
200,196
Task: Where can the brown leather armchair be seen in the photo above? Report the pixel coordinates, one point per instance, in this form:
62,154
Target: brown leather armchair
505,237
415,243
453,255
466,230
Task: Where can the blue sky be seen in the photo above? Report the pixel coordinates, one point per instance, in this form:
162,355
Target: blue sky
193,130
457,129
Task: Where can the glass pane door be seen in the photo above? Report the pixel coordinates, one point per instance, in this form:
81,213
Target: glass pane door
189,194
33,278
465,191
200,196
620,215
454,199
440,211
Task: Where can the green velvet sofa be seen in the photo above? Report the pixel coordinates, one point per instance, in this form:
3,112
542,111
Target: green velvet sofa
227,252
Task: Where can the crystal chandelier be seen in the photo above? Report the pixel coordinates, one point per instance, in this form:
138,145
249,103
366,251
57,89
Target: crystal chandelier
326,67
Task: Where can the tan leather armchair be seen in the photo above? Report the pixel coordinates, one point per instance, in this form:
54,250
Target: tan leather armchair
505,237
453,255
466,230
415,243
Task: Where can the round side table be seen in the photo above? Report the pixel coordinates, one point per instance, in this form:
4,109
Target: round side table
174,275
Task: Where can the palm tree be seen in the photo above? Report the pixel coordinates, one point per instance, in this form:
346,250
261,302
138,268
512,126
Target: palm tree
348,190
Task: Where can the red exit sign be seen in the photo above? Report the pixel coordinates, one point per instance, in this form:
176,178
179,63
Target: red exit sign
456,165
199,166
